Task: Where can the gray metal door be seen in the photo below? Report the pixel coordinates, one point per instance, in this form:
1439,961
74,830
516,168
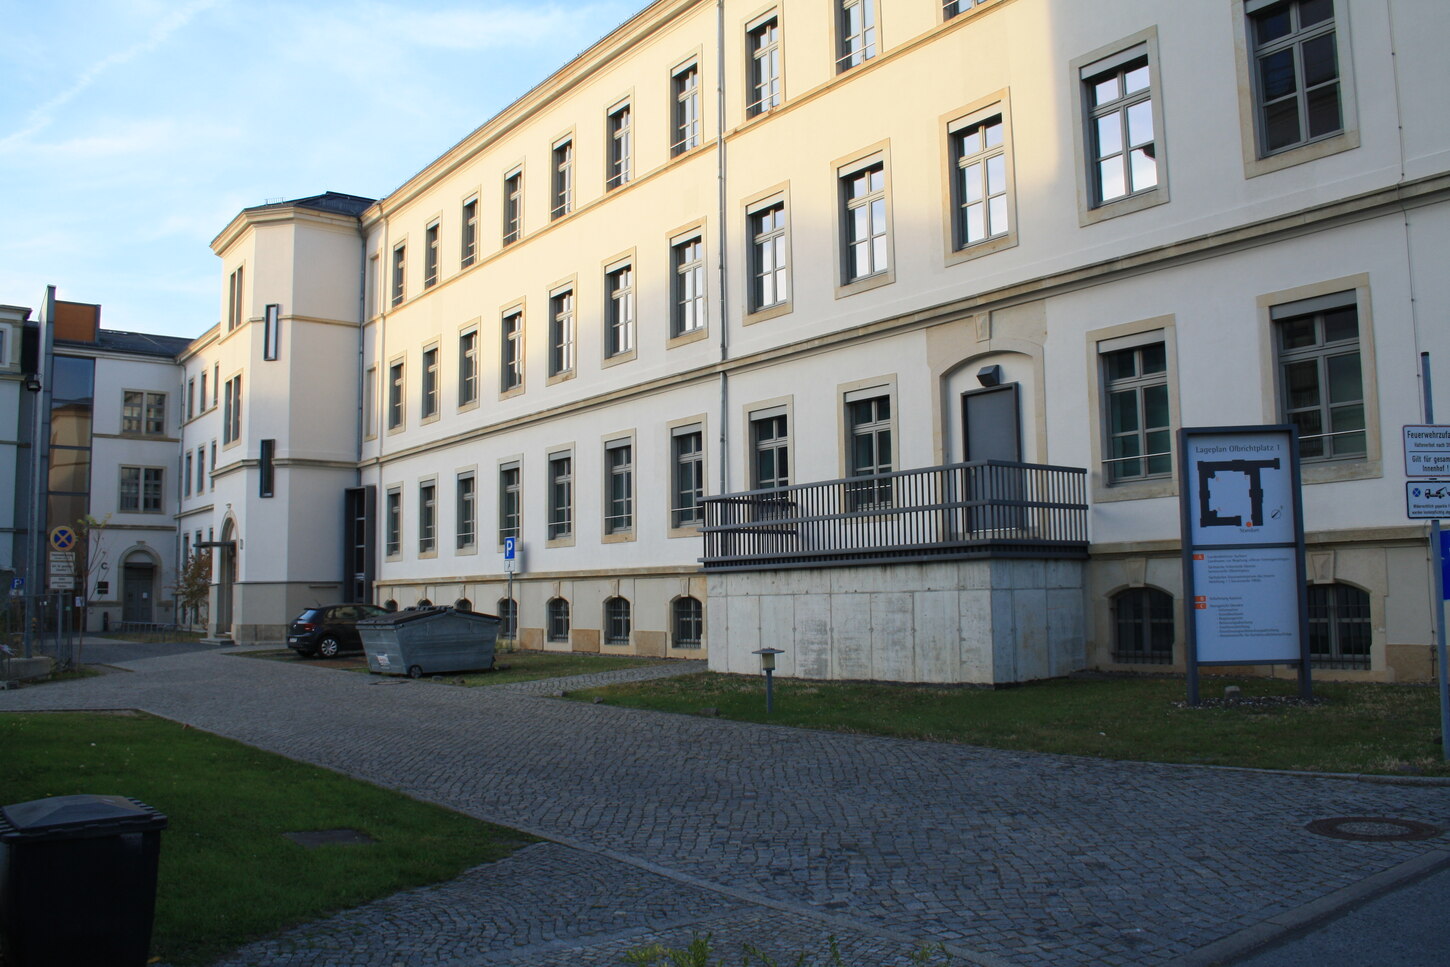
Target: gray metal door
992,424
136,582
992,430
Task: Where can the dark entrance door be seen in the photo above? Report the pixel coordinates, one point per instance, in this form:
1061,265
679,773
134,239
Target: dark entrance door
136,581
992,430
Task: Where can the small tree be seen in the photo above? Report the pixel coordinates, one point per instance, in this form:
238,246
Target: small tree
193,584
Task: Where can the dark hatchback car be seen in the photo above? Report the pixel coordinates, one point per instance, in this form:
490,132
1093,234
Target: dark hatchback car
329,630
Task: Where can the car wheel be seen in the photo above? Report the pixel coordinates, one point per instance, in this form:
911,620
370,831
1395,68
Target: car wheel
328,647
415,672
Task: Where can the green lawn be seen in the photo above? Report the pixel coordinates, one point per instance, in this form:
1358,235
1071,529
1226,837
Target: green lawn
227,874
1351,728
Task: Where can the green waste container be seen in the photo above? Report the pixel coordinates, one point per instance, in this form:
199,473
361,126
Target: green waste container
429,641
78,881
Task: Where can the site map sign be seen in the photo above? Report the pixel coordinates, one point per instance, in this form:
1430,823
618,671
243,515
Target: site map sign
1243,542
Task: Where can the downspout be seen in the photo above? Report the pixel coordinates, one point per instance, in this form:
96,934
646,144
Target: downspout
724,455
362,319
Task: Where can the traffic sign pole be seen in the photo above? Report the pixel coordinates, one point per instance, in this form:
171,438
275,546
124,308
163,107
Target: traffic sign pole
1440,649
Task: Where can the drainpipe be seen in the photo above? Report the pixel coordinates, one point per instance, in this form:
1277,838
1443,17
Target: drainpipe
724,455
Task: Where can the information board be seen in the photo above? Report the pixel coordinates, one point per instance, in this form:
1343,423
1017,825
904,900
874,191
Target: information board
1243,547
1427,499
1427,450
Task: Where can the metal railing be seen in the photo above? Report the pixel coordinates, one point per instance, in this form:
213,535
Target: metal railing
989,509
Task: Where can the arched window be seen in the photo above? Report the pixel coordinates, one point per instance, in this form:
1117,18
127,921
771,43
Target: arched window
423,603
1339,626
616,621
558,620
687,622
463,604
1143,618
508,615
390,605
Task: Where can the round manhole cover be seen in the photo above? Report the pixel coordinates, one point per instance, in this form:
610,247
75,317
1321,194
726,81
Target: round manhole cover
1373,829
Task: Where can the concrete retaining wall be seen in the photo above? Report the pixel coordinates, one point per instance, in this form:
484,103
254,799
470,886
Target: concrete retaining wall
987,622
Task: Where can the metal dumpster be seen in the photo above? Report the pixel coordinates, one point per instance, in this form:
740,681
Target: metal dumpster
429,641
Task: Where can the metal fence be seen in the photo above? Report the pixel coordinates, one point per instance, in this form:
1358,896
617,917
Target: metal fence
989,509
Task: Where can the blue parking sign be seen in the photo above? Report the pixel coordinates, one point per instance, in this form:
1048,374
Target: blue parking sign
510,545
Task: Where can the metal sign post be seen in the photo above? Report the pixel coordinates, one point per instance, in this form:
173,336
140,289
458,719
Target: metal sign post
511,548
1430,446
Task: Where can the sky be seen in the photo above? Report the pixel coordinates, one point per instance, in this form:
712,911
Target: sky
132,131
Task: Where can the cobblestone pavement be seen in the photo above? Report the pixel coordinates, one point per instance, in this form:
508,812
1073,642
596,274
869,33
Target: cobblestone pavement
663,825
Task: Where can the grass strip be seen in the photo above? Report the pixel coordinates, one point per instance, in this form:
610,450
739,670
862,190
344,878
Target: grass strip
227,874
509,666
1351,727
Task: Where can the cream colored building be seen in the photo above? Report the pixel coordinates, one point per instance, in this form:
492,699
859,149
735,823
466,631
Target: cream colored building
734,247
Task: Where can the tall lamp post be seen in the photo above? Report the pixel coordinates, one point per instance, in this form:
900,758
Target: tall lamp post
767,665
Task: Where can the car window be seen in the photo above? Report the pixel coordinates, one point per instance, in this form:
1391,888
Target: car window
345,613
311,614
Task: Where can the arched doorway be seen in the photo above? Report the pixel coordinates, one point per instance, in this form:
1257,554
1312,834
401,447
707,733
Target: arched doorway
138,587
226,573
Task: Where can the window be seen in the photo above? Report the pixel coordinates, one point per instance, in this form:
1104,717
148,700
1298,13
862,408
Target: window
509,498
616,621
618,173
211,464
1339,626
232,413
619,487
561,201
191,396
863,201
1122,152
267,468
469,241
688,304
1296,78
1321,390
561,496
856,33
869,425
395,395
950,8
235,293
511,355
430,256
686,127
687,623
186,477
201,468
468,367
513,206
1138,428
508,613
466,511
427,517
429,406
769,278
143,413
558,617
370,402
202,397
771,446
1143,626
980,187
393,521
271,331
688,458
141,489
400,265
561,332
619,311
763,43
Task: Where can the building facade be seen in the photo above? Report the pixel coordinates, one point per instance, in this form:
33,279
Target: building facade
742,247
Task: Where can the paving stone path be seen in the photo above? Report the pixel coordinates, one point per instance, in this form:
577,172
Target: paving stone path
662,826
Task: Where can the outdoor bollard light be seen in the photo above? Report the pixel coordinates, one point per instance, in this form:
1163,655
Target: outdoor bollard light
767,665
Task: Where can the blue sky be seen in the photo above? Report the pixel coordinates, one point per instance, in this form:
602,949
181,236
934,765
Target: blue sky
131,131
